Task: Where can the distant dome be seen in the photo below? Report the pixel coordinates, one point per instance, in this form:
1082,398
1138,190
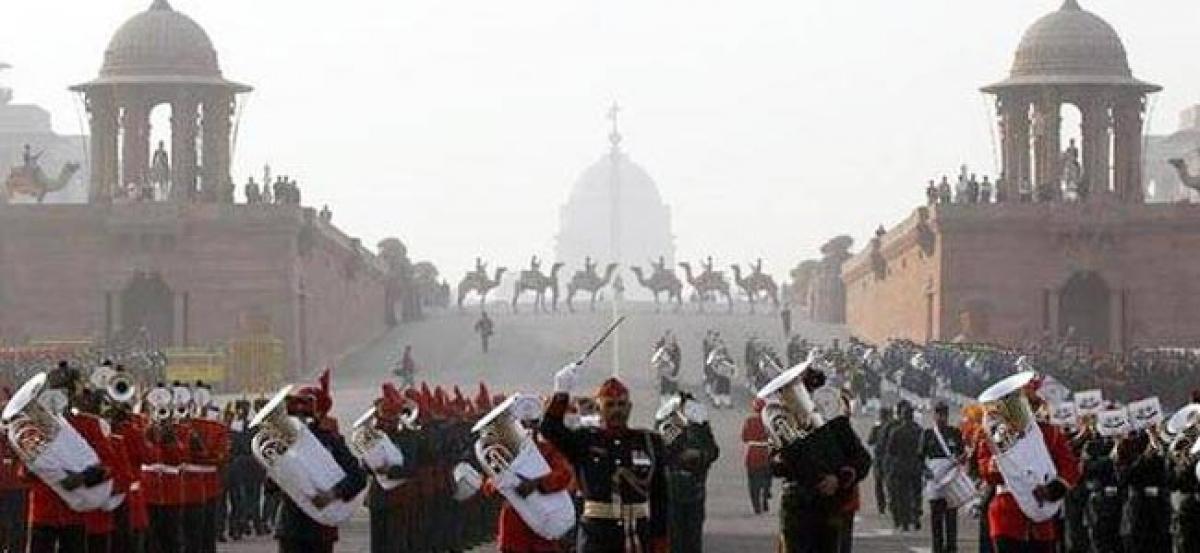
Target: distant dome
585,223
1071,46
161,45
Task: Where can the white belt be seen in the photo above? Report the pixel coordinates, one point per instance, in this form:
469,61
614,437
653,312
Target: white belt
202,469
1150,491
758,444
135,486
160,469
1110,491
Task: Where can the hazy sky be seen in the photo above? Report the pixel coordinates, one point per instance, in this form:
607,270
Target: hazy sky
459,126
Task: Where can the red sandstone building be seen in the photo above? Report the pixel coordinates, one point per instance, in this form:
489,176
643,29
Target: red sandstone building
187,264
1107,269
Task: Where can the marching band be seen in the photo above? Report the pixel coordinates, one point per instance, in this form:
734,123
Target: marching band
111,468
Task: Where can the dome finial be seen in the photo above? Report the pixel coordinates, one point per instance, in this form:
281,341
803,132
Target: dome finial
161,5
614,137
1071,5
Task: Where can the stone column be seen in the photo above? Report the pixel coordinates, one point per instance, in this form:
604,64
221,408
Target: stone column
103,145
135,145
218,108
1097,139
1047,150
1055,297
1127,144
1014,125
1116,320
183,149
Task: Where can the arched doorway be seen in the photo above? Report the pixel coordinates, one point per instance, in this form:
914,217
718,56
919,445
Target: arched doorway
1084,310
148,310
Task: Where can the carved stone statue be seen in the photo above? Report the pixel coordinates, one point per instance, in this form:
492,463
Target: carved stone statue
1071,170
160,169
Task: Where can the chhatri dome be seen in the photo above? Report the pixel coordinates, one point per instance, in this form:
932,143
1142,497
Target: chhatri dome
642,222
1071,46
164,46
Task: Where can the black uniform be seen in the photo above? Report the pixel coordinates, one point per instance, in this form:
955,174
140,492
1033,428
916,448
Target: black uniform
1146,518
621,477
809,521
299,534
688,459
877,440
943,520
1105,496
386,506
904,472
1187,517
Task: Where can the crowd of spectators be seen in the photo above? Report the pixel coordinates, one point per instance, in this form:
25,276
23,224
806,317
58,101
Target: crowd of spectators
146,363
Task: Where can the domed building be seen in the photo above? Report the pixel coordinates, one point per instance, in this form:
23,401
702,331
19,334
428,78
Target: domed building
1069,250
615,214
161,56
275,289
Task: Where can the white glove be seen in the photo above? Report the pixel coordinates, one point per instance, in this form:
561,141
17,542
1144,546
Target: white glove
565,378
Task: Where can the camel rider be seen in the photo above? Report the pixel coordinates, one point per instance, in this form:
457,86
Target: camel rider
661,266
708,264
757,266
30,158
535,264
480,267
589,266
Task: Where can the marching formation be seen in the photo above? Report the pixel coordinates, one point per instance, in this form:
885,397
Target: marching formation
106,467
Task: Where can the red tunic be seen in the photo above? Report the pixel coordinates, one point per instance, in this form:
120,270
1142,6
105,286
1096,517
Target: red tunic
10,469
1005,518
758,451
99,436
513,534
160,470
201,477
191,479
46,508
132,432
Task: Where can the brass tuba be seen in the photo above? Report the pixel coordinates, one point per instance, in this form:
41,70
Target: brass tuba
51,448
121,388
375,449
297,461
1019,449
790,413
1184,426
509,455
158,402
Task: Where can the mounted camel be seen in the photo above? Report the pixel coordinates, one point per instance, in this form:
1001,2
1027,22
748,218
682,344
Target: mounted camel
707,283
29,179
1189,180
757,283
588,281
661,280
477,281
533,280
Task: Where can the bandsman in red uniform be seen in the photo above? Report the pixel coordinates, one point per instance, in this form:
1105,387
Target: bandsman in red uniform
758,459
129,431
165,451
513,534
208,451
53,526
1012,531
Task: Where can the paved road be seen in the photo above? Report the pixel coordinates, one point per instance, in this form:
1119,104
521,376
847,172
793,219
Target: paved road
529,348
